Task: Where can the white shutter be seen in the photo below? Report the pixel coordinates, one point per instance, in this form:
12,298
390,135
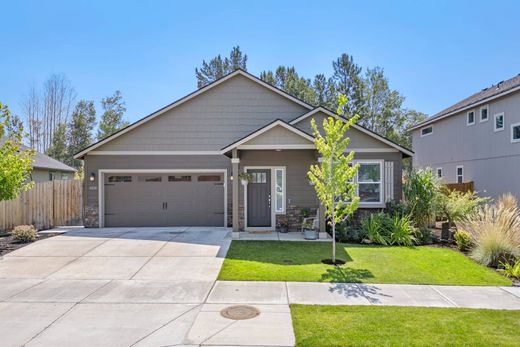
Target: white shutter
389,180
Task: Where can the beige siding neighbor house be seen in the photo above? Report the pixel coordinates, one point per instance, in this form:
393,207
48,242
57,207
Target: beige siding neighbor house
180,166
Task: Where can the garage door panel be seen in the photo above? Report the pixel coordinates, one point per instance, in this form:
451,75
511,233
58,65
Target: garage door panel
168,202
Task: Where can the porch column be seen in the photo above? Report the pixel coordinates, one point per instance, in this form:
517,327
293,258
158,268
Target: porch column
234,188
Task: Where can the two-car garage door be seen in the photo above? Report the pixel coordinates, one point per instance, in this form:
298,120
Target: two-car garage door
164,199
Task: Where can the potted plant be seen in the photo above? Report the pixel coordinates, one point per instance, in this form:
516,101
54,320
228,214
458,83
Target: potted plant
245,178
283,226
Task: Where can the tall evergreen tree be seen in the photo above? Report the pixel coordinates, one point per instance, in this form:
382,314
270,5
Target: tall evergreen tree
112,118
80,128
58,148
287,79
347,77
218,67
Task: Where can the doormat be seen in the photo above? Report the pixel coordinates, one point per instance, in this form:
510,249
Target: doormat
261,232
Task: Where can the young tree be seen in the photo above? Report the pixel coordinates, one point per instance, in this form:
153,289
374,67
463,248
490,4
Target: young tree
112,118
15,164
15,126
58,148
218,67
333,177
82,123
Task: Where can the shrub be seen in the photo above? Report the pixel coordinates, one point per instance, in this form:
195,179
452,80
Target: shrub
24,233
495,232
401,231
396,208
455,206
463,240
421,190
424,236
511,270
374,227
347,233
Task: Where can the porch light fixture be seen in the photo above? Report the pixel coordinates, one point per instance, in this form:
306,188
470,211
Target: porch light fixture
278,150
92,177
231,178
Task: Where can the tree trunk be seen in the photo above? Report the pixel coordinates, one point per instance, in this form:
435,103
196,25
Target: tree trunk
333,242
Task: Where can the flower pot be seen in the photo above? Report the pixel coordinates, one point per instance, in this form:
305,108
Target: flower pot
310,234
244,182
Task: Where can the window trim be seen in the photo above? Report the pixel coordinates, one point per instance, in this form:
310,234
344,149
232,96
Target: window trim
437,170
485,107
457,174
380,162
514,125
495,116
284,185
422,129
467,118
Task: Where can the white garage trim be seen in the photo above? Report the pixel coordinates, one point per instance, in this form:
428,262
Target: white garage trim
101,185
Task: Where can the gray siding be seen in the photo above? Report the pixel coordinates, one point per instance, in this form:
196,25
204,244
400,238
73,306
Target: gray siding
297,162
358,139
210,121
489,158
278,136
42,175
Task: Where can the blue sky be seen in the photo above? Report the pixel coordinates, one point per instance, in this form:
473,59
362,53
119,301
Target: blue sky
434,53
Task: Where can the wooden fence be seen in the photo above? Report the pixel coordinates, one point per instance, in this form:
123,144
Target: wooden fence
461,187
48,204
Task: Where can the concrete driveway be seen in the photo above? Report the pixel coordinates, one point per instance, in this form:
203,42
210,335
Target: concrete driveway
126,287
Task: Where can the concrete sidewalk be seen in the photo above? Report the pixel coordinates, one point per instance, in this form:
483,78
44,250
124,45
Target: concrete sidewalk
283,293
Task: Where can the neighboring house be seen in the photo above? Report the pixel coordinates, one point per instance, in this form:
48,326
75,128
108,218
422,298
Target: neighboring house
180,165
46,168
476,140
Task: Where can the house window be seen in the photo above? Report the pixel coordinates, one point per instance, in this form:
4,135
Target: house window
515,132
209,178
279,190
370,183
460,174
484,117
179,178
64,176
426,131
470,118
499,124
149,179
259,177
439,172
119,179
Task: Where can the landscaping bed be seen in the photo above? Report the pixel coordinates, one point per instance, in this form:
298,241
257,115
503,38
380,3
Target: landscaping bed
403,326
8,244
302,262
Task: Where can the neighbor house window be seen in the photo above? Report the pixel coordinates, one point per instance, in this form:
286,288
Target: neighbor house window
279,190
426,131
499,122
484,110
460,174
64,176
470,118
370,186
515,132
439,172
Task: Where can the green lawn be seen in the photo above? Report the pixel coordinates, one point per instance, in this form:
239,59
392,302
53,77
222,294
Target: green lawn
403,326
301,261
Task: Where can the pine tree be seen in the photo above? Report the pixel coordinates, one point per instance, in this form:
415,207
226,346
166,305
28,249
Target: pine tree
112,118
218,67
347,77
80,128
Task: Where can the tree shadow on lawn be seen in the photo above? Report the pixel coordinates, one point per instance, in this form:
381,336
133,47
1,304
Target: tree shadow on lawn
345,274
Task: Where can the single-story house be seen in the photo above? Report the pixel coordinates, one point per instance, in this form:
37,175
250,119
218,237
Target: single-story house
180,165
46,168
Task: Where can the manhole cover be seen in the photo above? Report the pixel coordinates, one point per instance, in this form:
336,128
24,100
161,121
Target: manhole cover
240,312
